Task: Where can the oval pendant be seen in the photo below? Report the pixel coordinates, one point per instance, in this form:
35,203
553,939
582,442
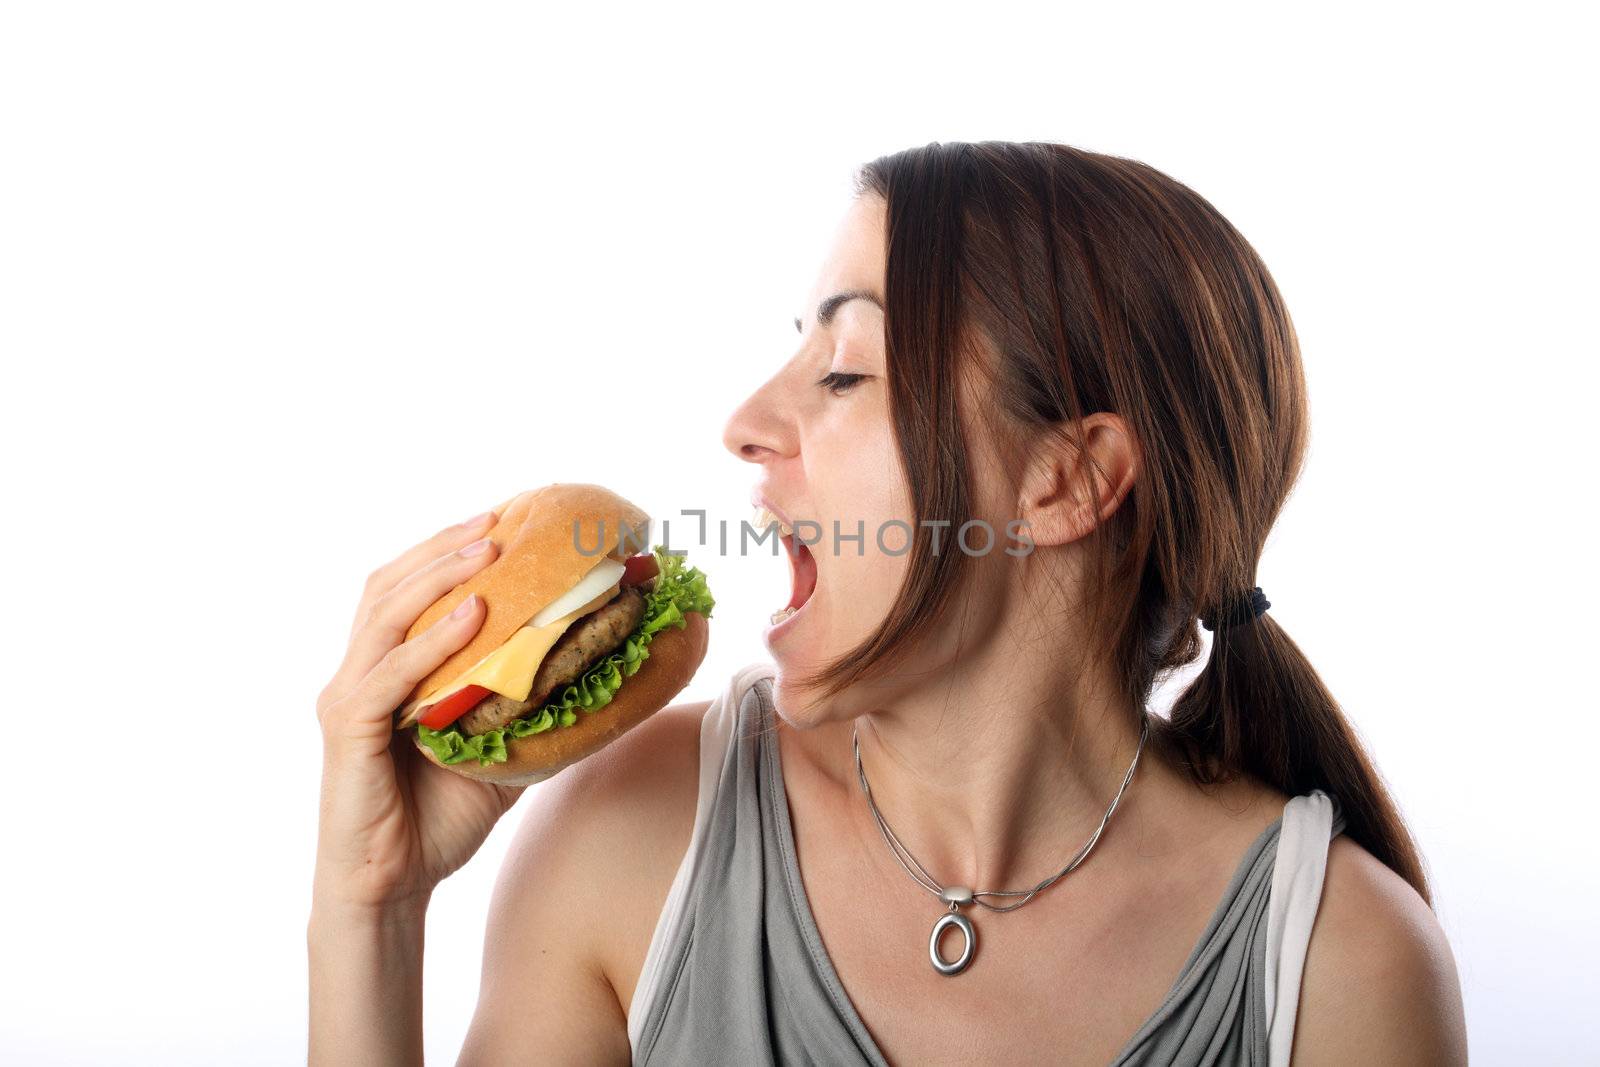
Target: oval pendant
969,943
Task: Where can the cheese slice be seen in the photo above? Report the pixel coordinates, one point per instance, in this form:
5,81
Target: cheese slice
509,670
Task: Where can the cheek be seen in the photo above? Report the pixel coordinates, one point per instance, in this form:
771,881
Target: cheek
854,475
856,478
861,591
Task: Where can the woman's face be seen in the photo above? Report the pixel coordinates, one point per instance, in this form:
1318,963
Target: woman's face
819,431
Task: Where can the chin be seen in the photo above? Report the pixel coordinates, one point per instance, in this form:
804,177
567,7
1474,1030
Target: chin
804,707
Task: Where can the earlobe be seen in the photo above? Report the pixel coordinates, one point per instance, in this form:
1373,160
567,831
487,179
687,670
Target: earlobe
1078,478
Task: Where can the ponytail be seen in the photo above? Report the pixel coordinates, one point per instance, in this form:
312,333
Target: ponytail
1259,707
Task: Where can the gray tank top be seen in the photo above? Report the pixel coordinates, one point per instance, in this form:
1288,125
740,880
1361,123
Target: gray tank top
744,978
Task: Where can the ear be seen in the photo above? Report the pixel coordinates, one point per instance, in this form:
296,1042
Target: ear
1077,478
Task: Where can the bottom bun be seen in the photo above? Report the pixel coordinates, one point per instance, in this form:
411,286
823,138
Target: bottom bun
674,657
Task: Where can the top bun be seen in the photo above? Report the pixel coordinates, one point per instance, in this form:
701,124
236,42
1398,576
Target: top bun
538,564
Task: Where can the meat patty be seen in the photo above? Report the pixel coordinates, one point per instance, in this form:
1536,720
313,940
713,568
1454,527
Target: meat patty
586,641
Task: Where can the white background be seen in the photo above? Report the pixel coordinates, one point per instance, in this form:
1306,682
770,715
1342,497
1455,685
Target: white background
285,287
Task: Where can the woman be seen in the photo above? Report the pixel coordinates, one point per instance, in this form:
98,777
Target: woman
1012,333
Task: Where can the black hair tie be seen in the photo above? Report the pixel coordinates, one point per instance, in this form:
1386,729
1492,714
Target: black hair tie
1246,607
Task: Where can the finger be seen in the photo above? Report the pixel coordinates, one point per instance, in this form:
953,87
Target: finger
393,614
368,706
395,571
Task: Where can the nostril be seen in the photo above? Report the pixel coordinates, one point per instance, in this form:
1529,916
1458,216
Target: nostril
759,430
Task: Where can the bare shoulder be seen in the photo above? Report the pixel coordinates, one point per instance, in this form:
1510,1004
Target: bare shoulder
582,886
1380,983
648,792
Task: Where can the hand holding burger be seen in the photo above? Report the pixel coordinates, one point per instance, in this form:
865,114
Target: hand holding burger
487,657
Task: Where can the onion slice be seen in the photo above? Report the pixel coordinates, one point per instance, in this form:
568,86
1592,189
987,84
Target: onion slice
606,573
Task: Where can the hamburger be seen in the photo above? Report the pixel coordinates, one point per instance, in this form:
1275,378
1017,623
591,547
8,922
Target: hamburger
585,636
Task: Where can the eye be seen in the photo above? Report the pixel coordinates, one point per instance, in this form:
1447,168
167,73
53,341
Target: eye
838,383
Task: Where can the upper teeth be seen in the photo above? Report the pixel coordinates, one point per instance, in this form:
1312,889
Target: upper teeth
765,518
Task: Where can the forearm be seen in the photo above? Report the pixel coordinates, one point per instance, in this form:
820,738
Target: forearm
366,984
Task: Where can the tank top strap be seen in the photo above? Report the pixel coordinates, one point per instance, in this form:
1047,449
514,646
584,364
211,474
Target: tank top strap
1309,824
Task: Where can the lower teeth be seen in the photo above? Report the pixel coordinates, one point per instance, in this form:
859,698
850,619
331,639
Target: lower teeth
779,616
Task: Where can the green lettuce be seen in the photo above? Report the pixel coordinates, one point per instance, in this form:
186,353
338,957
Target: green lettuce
679,589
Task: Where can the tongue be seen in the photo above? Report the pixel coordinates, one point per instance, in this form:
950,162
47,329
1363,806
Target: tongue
805,574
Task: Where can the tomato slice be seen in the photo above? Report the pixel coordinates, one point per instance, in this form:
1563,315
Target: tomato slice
639,569
438,716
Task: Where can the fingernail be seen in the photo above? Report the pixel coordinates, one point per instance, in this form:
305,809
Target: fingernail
477,548
464,608
478,520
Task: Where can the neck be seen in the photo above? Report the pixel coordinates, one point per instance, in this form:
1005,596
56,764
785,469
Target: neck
996,775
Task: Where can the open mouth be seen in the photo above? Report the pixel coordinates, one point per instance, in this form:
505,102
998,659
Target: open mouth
802,564
802,577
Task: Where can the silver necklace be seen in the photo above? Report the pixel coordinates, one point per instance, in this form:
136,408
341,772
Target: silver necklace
957,896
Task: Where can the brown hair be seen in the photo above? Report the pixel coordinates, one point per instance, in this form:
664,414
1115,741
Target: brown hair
1101,284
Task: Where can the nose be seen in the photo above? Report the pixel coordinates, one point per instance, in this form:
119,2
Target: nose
758,431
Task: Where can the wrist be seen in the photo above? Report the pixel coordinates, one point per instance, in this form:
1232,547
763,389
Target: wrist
335,909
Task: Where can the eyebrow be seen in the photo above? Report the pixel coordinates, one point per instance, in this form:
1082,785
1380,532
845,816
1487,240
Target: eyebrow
826,309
